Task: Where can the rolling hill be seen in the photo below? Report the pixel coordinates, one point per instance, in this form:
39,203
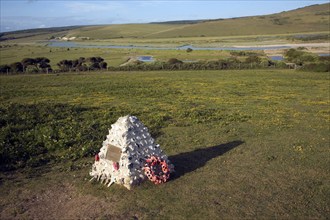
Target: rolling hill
309,19
313,18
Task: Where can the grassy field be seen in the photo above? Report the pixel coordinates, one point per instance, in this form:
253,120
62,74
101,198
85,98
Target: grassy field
114,57
308,19
246,144
304,26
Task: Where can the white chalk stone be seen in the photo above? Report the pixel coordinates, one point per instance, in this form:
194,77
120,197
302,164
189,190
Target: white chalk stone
123,153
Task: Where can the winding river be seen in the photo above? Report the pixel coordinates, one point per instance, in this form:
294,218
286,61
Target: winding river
70,44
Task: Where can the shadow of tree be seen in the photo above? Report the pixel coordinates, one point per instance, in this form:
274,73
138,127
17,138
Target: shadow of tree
189,161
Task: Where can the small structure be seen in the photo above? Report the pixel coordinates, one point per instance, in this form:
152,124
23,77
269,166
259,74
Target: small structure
127,153
291,65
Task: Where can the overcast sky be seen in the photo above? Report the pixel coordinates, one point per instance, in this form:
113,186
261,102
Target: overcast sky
27,14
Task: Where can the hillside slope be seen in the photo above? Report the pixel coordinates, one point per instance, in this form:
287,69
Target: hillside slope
309,19
315,18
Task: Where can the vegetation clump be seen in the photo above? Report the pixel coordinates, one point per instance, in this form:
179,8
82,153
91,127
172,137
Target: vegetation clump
239,60
42,65
307,61
28,65
174,61
82,64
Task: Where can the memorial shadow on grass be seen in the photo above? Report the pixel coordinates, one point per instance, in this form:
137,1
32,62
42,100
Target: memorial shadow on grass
189,161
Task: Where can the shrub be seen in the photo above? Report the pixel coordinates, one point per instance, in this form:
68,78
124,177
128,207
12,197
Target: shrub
317,67
82,64
32,69
28,62
174,61
64,65
299,57
253,59
4,69
103,65
16,67
324,58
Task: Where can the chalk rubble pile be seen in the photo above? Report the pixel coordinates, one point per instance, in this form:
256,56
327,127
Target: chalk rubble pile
124,152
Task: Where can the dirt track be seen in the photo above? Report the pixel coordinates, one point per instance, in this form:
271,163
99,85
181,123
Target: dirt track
52,197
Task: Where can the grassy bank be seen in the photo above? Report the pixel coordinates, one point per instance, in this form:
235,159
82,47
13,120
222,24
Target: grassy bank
246,144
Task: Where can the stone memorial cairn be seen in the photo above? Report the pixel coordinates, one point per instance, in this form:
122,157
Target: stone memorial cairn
129,155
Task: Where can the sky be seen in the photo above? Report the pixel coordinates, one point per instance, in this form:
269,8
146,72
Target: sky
28,14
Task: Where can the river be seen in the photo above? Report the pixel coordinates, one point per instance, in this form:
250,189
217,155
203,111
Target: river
70,44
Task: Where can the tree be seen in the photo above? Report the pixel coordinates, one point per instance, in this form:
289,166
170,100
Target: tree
103,65
81,60
299,57
174,61
64,65
4,68
45,67
95,63
42,63
92,59
16,67
41,60
94,66
82,67
99,59
293,55
75,64
253,59
28,62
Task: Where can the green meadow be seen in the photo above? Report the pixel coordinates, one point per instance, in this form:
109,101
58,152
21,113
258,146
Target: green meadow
114,57
245,143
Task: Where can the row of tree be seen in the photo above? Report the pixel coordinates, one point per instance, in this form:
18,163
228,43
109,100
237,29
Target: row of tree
42,65
29,65
176,64
82,64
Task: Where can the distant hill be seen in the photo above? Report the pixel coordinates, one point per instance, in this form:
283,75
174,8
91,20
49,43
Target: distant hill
308,19
178,22
36,32
313,18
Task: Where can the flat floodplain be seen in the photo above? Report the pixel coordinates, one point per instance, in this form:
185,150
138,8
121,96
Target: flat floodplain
245,143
